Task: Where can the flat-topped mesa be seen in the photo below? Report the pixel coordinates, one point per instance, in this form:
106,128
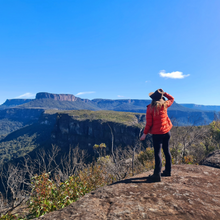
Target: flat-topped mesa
59,97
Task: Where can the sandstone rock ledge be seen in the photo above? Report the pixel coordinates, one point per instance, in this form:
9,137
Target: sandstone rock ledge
212,160
192,192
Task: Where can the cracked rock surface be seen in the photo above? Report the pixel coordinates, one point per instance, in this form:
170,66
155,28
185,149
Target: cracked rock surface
192,192
212,159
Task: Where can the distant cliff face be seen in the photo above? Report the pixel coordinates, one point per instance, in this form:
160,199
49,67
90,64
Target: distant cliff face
86,133
59,97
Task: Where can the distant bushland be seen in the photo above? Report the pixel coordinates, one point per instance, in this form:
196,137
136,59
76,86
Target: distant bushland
23,141
56,104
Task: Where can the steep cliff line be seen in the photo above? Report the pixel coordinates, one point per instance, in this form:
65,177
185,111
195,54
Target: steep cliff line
87,128
59,97
72,128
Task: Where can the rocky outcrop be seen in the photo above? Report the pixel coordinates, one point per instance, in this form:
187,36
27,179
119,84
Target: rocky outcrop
59,97
191,193
212,160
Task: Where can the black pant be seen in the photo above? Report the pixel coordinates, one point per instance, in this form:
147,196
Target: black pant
161,141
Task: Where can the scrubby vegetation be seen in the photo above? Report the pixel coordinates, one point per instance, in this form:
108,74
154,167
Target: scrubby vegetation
21,142
46,184
194,141
56,104
7,126
117,117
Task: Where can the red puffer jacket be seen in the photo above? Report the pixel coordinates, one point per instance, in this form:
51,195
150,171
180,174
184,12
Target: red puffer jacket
158,122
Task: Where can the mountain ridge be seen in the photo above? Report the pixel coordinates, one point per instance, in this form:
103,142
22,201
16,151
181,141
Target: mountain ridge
202,107
13,102
104,104
185,114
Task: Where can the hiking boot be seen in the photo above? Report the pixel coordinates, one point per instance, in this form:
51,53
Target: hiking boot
165,173
154,178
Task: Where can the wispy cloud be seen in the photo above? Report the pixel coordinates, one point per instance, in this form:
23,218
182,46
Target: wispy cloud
147,81
83,93
27,95
173,75
120,96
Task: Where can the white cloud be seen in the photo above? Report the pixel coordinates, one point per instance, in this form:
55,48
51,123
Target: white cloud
147,81
83,93
120,96
27,95
173,75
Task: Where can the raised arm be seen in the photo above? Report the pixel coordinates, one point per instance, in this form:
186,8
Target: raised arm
170,99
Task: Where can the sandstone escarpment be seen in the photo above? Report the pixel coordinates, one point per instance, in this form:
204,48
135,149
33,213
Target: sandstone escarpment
87,128
192,192
59,97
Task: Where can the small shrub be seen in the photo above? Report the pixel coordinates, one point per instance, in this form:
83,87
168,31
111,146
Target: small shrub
146,156
104,160
10,217
176,154
188,159
49,195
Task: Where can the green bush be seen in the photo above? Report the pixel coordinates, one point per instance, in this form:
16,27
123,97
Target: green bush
147,155
49,195
11,217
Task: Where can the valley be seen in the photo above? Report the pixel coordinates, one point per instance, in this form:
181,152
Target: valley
64,120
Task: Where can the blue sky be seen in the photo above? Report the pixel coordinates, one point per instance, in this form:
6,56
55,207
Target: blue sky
111,49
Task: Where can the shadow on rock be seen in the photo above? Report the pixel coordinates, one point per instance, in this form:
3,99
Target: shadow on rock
146,179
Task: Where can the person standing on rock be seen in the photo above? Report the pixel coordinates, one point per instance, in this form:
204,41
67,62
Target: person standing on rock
158,124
